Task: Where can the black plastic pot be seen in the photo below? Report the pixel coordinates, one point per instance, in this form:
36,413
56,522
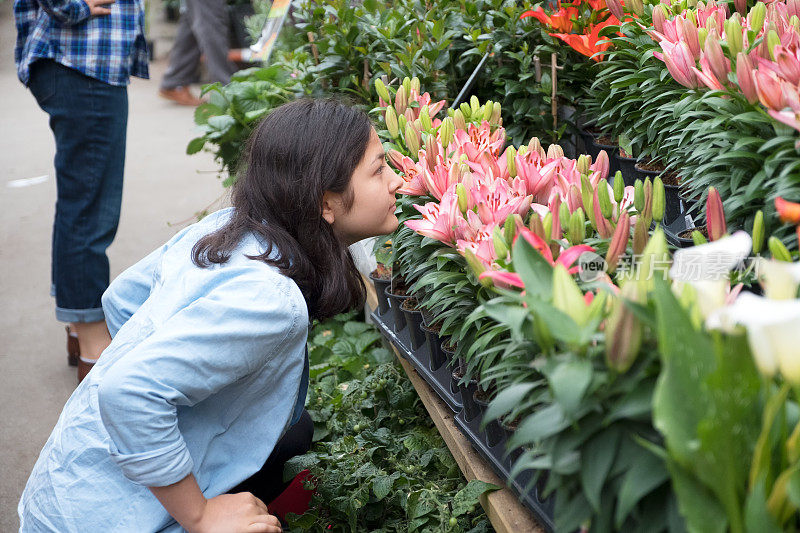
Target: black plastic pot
511,455
414,321
586,137
673,230
434,343
380,290
611,149
397,314
494,433
449,356
627,165
689,203
672,209
471,409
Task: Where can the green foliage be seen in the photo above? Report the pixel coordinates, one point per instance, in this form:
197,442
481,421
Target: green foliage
378,463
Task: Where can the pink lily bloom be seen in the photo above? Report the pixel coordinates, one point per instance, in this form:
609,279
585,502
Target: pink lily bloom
745,77
443,177
687,33
536,177
438,219
482,246
707,76
411,173
679,61
788,62
477,140
496,201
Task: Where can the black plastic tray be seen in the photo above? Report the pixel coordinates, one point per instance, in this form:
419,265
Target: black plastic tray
439,380
494,455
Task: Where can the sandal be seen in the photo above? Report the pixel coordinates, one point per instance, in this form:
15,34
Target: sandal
73,348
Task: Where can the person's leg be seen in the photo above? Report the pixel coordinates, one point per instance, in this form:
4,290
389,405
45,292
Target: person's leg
184,58
210,25
89,122
267,484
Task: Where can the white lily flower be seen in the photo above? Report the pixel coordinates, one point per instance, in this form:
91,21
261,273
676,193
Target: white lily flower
773,331
779,278
706,269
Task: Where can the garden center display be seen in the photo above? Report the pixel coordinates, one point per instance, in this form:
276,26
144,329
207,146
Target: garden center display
606,296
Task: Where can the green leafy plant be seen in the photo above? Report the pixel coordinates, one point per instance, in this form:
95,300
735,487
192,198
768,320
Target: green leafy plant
378,463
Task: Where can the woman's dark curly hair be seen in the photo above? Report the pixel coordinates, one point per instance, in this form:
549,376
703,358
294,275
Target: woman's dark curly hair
298,152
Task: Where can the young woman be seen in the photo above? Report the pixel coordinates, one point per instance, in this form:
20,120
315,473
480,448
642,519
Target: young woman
207,367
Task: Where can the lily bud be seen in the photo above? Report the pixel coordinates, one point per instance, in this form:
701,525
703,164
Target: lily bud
702,35
510,227
745,78
511,165
640,236
391,122
584,162
715,215
536,225
711,24
446,131
637,6
425,118
474,104
431,151
733,35
576,232
698,238
603,226
687,31
619,242
407,85
647,212
623,329
619,187
638,196
477,267
395,158
415,85
587,196
779,279
412,141
659,17
756,16
523,149
382,91
547,225
555,210
458,120
574,200
461,194
487,110
772,41
499,243
615,6
554,151
659,199
411,120
401,100
602,164
655,259
402,122
466,110
719,64
778,250
564,215
758,232
604,199
496,117
794,21
788,212
534,145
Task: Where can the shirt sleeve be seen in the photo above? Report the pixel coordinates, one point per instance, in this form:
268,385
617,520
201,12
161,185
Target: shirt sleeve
215,341
67,12
129,291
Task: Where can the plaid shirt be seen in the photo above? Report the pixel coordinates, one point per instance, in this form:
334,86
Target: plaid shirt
110,48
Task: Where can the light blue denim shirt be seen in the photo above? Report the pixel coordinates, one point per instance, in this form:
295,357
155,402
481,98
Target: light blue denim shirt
202,376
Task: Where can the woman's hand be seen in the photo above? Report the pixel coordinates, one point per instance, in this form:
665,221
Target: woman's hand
236,513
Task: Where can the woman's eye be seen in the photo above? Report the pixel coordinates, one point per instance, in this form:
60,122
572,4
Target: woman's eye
380,169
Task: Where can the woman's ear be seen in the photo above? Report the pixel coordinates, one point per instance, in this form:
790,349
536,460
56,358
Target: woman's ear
329,203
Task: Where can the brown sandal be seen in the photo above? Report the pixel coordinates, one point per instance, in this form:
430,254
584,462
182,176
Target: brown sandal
73,348
84,367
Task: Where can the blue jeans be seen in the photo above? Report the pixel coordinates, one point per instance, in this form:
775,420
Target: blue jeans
89,120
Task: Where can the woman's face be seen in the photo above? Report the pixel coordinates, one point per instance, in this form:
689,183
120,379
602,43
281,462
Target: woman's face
373,186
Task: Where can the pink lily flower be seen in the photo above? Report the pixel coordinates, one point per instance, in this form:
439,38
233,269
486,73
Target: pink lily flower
497,200
439,180
537,178
411,173
601,165
788,62
706,76
477,140
687,33
679,61
438,219
745,77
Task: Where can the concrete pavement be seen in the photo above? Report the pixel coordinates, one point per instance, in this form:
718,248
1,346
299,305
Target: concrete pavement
164,189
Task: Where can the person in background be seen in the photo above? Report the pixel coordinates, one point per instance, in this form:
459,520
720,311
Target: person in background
76,57
202,30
